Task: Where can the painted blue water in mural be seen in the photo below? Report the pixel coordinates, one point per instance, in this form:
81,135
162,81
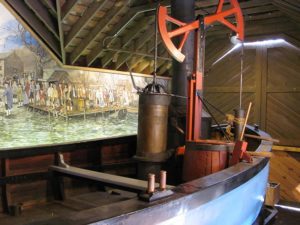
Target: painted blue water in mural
26,128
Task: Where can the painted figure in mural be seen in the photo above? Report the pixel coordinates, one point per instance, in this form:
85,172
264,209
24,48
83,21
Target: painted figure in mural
65,93
42,96
60,94
20,95
50,95
31,92
100,98
55,102
111,97
125,97
8,98
14,87
69,98
37,93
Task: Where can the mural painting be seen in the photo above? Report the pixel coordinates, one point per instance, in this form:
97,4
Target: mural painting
42,103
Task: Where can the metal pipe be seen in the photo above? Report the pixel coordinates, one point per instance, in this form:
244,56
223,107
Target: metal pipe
163,180
136,53
151,183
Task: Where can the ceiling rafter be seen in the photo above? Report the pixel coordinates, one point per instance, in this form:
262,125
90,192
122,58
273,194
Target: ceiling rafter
288,9
40,29
51,5
94,33
43,14
133,12
67,8
60,30
84,20
139,43
128,37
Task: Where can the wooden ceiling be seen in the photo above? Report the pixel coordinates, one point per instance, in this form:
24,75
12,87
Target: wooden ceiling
112,34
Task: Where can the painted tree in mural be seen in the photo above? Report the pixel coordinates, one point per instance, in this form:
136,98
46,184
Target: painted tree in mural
41,56
21,37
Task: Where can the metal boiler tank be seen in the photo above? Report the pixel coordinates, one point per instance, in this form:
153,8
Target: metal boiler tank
152,132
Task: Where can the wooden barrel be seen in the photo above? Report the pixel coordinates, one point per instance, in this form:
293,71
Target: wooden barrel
202,159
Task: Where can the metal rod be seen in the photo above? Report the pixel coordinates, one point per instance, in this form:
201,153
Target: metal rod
245,124
241,77
135,53
155,45
212,116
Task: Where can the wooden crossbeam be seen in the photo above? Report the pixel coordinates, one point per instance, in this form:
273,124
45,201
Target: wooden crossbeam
39,28
138,44
95,32
43,14
61,32
107,179
132,13
98,49
67,8
84,20
51,5
289,10
129,36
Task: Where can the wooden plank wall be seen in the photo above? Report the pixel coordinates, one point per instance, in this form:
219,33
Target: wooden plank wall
29,192
272,82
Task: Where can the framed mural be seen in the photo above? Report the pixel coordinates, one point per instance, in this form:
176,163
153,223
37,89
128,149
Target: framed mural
42,103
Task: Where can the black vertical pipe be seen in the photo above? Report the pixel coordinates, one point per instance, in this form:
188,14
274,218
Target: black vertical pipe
183,10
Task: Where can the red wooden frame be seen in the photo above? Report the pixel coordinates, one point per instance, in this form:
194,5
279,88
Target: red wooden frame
194,109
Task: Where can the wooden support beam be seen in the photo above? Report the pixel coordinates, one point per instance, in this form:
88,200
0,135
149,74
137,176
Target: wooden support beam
84,20
51,5
254,6
289,10
98,49
39,28
6,189
128,37
43,14
264,27
149,47
164,68
125,21
61,32
142,65
285,148
95,32
138,44
67,8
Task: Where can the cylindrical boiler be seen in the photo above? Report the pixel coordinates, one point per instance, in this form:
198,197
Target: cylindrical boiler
152,132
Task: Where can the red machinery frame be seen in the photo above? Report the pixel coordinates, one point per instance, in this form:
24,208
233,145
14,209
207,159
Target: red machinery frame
194,109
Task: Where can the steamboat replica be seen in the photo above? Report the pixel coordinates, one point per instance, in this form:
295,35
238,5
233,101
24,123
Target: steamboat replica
216,175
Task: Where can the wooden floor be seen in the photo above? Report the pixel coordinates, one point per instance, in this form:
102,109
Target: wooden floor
65,208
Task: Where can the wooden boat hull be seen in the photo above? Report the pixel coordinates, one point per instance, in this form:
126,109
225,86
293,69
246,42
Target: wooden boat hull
232,196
